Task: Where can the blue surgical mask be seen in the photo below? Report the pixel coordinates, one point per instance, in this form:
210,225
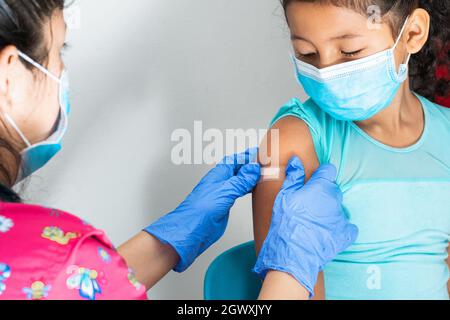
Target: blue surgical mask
355,90
36,156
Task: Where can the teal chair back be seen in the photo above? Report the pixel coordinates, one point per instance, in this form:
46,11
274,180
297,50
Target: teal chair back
230,276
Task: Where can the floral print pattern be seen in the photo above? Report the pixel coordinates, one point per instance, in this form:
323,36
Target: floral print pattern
5,273
57,235
85,281
38,291
53,255
5,224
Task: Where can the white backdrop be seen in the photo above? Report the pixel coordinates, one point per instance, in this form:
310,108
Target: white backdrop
141,69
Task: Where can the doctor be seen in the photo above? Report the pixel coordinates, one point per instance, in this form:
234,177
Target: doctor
50,254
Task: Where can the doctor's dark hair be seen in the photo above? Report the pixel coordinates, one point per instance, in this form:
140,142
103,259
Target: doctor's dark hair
424,64
21,25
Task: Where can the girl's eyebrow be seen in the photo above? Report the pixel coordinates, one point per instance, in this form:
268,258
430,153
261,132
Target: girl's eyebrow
347,36
340,37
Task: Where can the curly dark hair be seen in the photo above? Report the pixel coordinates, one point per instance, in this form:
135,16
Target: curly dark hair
21,25
423,65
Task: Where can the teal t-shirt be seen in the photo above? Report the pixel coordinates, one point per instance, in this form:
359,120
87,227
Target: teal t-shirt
398,197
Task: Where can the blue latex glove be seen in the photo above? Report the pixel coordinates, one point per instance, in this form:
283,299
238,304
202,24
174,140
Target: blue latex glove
201,220
309,228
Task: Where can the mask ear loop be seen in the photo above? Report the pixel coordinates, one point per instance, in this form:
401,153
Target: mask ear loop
16,128
38,66
400,37
45,71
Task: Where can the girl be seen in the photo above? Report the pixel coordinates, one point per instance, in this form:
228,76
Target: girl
369,68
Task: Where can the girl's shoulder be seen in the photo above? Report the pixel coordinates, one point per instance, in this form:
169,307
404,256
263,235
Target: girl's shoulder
438,109
320,124
438,115
307,111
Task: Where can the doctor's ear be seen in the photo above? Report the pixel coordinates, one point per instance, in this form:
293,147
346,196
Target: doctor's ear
11,70
419,31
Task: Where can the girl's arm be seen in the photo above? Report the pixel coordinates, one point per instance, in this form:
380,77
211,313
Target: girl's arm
294,140
149,258
282,286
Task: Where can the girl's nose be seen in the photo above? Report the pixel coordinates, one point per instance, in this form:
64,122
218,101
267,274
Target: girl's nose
328,58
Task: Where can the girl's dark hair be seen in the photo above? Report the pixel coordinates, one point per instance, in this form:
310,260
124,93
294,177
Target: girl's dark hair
423,65
21,25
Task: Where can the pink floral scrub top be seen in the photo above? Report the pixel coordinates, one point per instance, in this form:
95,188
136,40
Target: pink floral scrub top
50,254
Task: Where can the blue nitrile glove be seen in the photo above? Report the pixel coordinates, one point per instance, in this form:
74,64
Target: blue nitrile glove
202,218
309,227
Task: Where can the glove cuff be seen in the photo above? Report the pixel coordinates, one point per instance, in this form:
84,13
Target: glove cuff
290,257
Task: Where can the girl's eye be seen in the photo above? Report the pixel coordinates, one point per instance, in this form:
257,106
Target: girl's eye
351,54
308,55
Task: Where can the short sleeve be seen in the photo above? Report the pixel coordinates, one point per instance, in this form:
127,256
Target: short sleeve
313,116
95,271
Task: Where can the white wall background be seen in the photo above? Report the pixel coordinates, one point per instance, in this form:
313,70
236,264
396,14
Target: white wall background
141,69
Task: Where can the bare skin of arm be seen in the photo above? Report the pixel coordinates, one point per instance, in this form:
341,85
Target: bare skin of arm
282,286
149,258
294,140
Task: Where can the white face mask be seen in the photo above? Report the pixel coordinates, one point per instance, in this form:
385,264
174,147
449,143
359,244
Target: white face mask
34,157
355,90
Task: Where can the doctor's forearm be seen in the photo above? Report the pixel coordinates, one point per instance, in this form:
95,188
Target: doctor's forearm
148,258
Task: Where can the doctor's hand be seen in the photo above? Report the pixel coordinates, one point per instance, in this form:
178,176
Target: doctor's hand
202,218
309,228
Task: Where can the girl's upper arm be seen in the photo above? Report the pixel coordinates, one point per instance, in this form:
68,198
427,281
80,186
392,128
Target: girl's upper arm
294,139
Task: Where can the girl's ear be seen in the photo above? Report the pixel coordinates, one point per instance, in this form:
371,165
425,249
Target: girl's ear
418,31
9,61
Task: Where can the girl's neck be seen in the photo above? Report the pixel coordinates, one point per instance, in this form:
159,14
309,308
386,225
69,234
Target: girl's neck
401,124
